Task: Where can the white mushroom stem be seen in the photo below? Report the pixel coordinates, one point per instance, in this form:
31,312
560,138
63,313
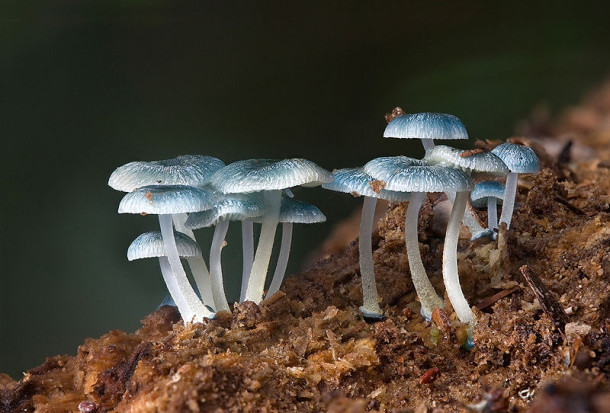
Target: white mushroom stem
256,283
282,261
189,305
451,277
247,241
427,143
510,191
472,224
424,288
370,306
220,299
492,212
197,264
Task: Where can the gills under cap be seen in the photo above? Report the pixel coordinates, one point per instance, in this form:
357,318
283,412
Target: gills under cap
192,170
519,159
426,125
254,175
150,245
358,183
166,199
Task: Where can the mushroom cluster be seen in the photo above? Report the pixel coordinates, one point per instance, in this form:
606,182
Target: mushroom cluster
195,191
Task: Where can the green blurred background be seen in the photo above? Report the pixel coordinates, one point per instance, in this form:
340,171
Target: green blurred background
89,86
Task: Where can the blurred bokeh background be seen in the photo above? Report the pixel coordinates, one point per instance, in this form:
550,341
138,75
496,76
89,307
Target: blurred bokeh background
88,86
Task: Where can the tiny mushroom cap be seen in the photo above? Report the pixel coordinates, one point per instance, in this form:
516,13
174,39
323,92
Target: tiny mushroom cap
192,170
484,190
519,159
475,161
358,183
235,207
150,245
166,199
426,125
297,212
255,175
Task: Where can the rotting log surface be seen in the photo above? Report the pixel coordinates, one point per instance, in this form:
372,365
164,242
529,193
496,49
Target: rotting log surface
307,349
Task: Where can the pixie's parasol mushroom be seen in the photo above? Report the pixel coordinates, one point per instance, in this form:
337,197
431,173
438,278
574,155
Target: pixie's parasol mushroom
358,183
269,177
403,174
165,200
427,127
520,160
488,194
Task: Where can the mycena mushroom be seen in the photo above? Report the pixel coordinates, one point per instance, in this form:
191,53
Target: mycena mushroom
269,177
520,160
190,170
151,245
165,200
488,194
358,183
426,126
403,174
228,208
292,212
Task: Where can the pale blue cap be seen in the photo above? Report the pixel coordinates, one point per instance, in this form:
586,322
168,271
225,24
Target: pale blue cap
439,126
150,245
235,207
254,175
166,199
484,190
191,170
358,183
483,162
519,159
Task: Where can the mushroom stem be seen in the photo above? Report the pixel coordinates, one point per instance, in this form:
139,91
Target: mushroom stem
200,272
282,261
492,212
370,306
220,299
427,143
510,191
247,241
473,225
256,283
451,277
424,288
189,305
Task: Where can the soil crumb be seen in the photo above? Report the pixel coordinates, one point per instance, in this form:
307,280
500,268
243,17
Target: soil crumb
307,348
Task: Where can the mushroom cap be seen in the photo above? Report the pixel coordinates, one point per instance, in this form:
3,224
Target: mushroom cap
404,174
484,190
357,182
254,175
297,212
166,199
426,125
519,159
150,245
235,207
482,162
191,170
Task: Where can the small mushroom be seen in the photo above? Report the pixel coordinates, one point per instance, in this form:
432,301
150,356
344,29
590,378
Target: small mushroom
358,183
520,160
403,174
488,194
427,127
269,177
165,200
292,212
